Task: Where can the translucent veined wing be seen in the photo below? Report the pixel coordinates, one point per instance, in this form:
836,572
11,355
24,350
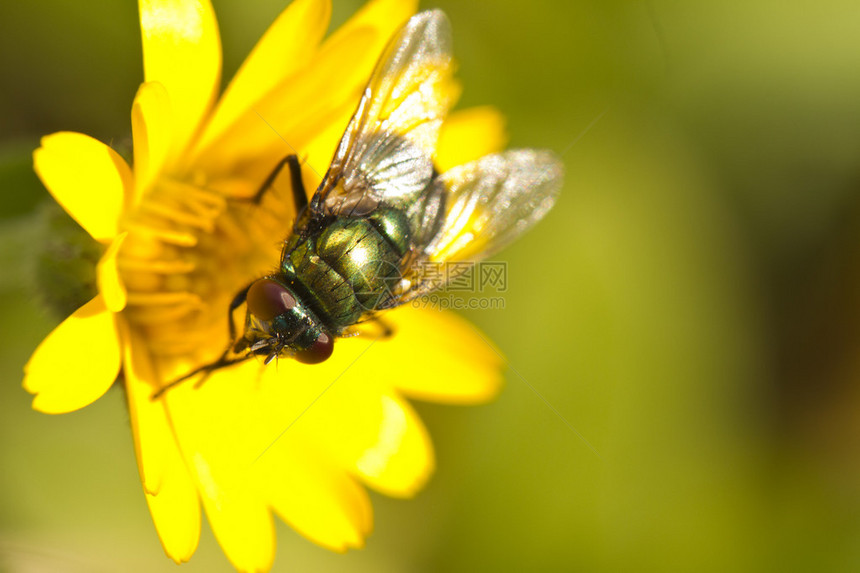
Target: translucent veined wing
492,201
386,153
487,204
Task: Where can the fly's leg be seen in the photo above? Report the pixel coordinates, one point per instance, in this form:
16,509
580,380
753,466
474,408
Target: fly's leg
237,301
381,330
300,198
206,370
223,360
386,329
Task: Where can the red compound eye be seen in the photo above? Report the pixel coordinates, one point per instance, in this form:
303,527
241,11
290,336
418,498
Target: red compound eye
317,352
267,299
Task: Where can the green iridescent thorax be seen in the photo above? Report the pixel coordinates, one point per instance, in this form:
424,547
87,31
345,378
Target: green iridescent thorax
348,267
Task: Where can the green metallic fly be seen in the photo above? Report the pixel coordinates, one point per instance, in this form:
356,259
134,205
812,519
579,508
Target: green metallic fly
382,211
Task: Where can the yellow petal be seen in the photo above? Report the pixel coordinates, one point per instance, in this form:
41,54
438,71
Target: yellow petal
272,129
360,424
385,16
258,139
285,48
318,152
152,128
400,460
153,437
77,362
238,516
369,30
88,178
170,492
109,282
182,51
460,364
318,500
470,134
175,512
245,430
218,428
243,526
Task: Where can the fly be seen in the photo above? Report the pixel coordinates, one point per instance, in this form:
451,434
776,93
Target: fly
383,212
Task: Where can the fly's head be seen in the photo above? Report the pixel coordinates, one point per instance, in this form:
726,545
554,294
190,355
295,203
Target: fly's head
279,324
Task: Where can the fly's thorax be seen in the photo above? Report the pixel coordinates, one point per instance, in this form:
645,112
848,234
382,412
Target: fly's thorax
393,225
279,323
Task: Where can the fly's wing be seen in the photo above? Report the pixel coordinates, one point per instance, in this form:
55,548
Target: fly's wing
385,158
492,201
386,153
487,204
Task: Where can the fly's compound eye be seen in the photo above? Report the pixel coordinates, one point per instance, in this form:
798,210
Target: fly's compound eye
317,352
268,299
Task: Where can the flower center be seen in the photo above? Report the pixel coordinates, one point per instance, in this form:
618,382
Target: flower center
190,249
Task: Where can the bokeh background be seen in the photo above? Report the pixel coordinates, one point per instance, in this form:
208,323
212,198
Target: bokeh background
682,329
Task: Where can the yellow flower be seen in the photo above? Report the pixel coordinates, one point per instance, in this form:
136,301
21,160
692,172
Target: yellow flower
299,440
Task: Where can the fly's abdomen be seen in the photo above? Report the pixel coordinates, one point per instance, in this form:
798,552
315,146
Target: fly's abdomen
320,286
367,253
351,266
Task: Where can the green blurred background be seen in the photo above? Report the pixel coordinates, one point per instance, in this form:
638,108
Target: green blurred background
691,306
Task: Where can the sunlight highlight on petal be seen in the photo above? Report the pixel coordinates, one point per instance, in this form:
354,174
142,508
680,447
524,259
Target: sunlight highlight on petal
77,363
182,51
401,460
88,178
